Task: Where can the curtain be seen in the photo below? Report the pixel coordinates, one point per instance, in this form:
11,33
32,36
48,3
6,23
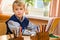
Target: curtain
54,8
0,6
55,12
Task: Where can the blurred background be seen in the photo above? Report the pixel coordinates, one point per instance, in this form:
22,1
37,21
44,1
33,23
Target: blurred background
34,7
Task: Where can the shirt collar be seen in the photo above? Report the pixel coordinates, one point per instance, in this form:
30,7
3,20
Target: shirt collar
22,18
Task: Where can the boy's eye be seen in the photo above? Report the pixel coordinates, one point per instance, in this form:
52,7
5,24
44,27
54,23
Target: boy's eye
16,9
21,8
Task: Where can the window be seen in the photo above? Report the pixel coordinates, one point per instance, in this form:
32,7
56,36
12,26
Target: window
36,10
6,6
39,9
39,4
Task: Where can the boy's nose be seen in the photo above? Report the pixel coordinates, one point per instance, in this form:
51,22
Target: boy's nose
20,11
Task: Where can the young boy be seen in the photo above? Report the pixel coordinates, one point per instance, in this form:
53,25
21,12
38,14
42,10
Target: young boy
19,21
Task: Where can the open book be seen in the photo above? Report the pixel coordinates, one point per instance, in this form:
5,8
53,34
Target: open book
52,24
49,24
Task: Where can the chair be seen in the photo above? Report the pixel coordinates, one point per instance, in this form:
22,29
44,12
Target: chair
2,28
3,19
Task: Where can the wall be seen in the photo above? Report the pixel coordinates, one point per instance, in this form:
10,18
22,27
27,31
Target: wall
0,6
6,6
38,21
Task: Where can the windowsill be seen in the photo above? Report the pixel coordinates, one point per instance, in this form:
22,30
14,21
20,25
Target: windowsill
34,16
37,17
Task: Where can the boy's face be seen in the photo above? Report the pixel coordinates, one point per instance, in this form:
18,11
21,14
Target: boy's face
18,10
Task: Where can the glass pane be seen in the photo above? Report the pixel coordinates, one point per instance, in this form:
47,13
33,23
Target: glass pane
40,4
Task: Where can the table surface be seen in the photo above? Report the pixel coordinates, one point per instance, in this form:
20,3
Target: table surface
6,37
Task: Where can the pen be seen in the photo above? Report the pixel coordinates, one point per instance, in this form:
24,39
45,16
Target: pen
40,27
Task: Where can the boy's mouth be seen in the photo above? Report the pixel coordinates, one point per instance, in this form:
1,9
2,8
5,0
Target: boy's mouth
19,14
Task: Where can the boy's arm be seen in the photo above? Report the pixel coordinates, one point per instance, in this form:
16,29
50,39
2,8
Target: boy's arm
32,26
31,29
13,25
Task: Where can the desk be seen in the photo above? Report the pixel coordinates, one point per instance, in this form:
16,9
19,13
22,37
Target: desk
26,37
6,37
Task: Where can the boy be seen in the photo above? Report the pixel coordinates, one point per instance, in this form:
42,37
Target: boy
19,21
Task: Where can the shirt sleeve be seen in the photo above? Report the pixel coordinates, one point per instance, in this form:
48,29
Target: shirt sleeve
31,29
32,26
13,25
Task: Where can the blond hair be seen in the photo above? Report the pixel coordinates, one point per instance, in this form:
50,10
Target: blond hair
19,3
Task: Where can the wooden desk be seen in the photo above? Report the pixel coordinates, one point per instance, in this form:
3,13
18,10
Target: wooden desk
50,38
6,37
